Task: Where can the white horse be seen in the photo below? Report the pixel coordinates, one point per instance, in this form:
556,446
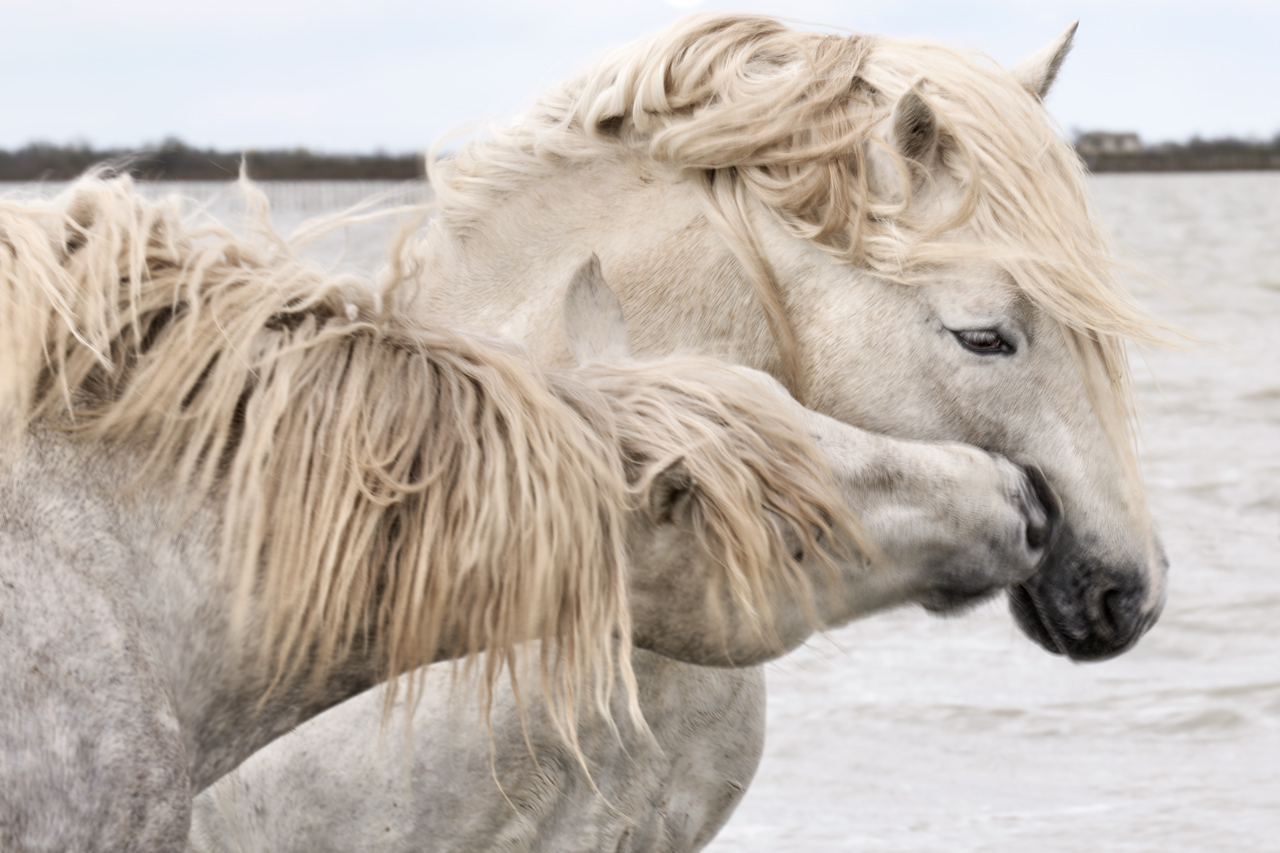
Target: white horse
894,230
234,492
340,783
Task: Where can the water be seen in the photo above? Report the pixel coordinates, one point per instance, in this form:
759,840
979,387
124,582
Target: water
910,733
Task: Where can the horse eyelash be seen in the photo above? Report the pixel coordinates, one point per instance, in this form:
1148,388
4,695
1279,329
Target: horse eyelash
1001,344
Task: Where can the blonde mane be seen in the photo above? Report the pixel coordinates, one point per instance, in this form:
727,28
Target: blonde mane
376,479
376,474
755,113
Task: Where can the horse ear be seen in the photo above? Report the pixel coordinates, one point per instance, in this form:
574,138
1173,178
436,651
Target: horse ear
593,323
915,127
1037,72
671,493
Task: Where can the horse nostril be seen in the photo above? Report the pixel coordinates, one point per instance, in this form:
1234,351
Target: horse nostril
1039,531
1119,616
1044,511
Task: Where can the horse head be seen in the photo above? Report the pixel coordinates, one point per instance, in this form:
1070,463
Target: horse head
997,347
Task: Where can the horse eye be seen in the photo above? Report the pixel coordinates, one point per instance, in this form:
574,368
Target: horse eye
795,548
983,341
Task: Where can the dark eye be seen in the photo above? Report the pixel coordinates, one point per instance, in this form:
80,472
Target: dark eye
795,548
983,341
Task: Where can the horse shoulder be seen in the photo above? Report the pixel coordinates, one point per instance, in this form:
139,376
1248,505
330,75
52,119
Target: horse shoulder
710,725
92,754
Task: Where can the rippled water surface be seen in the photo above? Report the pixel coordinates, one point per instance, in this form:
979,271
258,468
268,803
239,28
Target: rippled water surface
906,732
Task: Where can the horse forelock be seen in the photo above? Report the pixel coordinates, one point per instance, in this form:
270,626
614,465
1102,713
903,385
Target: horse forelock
759,114
757,477
371,474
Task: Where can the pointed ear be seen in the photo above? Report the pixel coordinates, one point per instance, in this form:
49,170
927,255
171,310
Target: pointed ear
593,321
671,493
915,127
1037,72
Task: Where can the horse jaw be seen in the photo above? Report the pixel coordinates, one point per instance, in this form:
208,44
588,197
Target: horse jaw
1038,71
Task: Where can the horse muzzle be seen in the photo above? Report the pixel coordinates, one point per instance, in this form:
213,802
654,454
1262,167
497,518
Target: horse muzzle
1030,517
1082,607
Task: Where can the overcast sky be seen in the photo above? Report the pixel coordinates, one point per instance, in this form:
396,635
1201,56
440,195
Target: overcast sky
338,76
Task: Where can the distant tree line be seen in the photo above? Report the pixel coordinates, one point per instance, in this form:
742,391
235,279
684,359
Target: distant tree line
1198,155
173,160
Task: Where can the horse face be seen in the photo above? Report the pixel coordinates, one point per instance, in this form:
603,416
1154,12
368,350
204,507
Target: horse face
968,358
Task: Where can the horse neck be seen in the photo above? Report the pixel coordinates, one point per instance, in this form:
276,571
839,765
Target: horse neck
217,676
680,285
234,722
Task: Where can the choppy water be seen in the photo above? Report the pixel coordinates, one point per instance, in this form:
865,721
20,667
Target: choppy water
910,733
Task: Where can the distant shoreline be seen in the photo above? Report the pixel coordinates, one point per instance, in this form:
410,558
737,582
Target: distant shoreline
1207,157
175,161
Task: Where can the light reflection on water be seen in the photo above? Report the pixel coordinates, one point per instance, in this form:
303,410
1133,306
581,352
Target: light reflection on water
909,733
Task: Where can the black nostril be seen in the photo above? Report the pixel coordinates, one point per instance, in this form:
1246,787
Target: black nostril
1120,613
1041,530
1113,612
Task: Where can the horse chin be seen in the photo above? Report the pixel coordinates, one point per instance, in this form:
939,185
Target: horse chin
1023,607
1080,608
952,602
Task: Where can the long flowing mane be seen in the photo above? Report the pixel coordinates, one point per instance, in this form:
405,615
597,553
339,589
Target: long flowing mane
372,474
755,113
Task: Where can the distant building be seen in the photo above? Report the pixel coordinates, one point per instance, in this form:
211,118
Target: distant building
1102,142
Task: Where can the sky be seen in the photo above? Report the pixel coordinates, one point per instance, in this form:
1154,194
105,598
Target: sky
340,76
